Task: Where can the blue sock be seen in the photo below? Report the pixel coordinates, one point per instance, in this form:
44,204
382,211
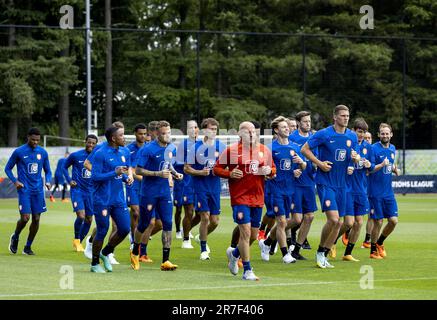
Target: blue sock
143,249
202,246
236,253
77,225
16,236
246,265
29,243
84,230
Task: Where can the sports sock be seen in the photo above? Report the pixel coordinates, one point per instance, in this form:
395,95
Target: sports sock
297,247
246,265
272,247
186,238
381,239
77,226
268,241
165,254
349,248
236,252
107,250
288,242
136,249
372,247
326,251
202,246
262,227
16,235
367,238
143,249
321,249
284,251
29,243
268,230
95,260
84,230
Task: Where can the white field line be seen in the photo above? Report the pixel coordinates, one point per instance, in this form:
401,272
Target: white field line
257,285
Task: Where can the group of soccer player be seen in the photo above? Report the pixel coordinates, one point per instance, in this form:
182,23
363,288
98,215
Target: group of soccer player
351,176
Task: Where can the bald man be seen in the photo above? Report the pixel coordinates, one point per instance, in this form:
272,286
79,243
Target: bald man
245,164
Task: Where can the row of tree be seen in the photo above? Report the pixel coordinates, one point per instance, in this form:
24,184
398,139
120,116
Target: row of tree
152,72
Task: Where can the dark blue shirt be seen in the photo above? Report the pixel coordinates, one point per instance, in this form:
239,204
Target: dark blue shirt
380,181
153,157
30,163
134,152
80,174
108,186
206,156
336,148
307,177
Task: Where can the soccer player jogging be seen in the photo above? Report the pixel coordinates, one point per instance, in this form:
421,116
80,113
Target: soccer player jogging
206,185
110,167
369,224
81,191
132,191
286,158
59,179
304,198
245,164
186,198
88,165
30,160
381,192
155,164
336,146
357,204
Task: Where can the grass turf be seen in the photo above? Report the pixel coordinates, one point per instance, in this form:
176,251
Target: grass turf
407,273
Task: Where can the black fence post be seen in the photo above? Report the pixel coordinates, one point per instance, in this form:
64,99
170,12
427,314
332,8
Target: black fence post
198,76
304,80
404,102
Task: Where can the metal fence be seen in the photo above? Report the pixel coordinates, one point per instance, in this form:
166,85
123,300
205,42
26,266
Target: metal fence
208,72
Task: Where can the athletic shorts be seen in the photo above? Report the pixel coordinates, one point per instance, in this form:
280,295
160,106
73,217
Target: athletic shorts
178,194
132,197
332,199
82,201
357,204
245,214
31,203
304,199
268,199
282,205
383,208
121,217
159,207
207,201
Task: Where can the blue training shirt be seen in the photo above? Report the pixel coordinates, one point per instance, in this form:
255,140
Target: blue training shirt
134,152
206,157
59,172
336,148
357,182
30,163
284,182
108,186
185,153
306,179
380,181
80,174
154,157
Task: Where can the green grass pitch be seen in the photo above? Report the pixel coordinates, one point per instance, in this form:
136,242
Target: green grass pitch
407,273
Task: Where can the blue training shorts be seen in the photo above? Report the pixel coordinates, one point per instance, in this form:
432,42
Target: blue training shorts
357,204
207,201
332,199
82,201
132,197
245,214
304,200
31,203
383,207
